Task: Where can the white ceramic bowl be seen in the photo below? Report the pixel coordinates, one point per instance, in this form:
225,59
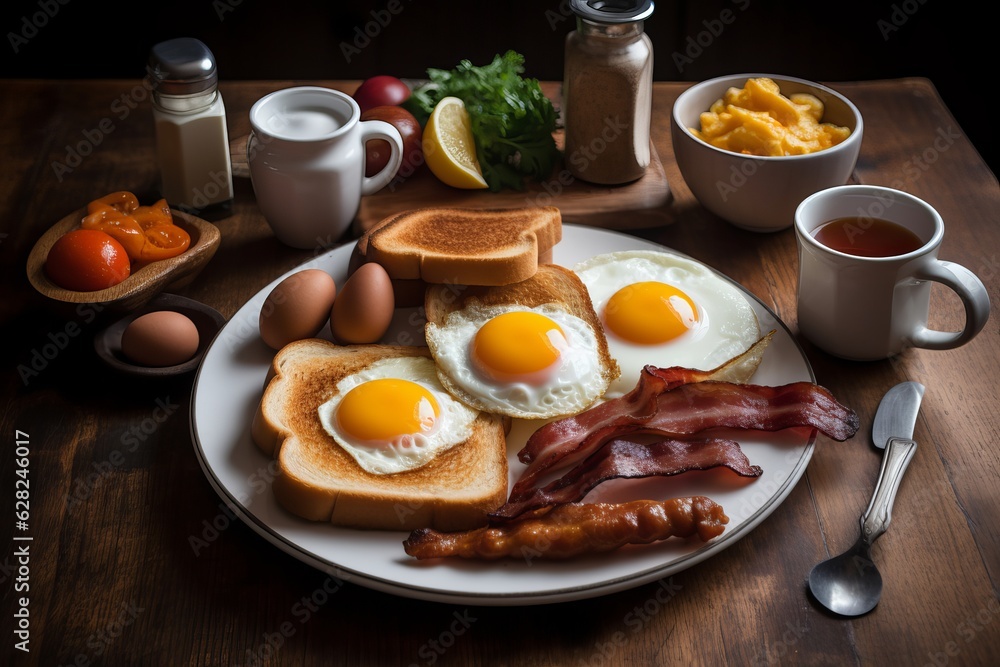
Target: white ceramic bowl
752,192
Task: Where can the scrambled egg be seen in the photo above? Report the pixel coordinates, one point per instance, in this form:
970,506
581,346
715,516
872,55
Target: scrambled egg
758,120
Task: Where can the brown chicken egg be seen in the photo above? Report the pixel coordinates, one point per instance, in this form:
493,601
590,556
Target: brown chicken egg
160,338
298,307
363,310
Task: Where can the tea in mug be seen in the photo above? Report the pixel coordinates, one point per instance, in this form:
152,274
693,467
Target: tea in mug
867,237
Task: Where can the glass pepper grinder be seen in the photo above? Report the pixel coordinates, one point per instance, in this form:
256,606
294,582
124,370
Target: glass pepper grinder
192,138
607,91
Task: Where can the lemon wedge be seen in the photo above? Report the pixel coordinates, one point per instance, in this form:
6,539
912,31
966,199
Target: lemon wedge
449,149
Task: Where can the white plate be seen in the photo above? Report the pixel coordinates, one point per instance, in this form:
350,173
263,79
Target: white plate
229,385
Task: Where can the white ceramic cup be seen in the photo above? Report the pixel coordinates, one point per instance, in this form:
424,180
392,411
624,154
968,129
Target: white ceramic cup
752,192
306,154
869,308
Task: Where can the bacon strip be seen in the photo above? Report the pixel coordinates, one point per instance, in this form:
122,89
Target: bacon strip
659,405
636,405
627,459
575,529
654,381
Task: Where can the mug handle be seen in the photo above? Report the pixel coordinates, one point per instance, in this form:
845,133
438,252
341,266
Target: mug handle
379,129
974,297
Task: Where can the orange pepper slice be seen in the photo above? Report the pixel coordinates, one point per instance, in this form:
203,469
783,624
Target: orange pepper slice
147,233
163,241
122,227
157,214
123,201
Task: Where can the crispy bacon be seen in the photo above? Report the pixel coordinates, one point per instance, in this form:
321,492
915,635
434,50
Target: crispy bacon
636,405
653,381
574,529
662,404
621,458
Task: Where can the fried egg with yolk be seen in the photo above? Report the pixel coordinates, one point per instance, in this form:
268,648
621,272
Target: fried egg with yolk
394,415
662,309
519,361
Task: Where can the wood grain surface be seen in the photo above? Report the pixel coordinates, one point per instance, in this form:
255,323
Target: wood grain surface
135,560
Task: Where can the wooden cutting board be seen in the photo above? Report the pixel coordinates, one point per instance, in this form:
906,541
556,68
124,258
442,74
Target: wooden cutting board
640,204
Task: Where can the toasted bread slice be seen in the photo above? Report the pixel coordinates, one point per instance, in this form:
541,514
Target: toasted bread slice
320,481
552,287
460,246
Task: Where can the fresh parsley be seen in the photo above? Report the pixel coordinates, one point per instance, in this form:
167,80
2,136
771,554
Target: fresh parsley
512,120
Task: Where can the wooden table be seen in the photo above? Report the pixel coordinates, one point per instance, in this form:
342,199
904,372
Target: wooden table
116,491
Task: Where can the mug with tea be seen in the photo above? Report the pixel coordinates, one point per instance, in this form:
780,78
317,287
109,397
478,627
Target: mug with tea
867,258
306,154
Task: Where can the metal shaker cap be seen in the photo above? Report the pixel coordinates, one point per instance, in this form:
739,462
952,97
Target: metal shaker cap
612,11
182,66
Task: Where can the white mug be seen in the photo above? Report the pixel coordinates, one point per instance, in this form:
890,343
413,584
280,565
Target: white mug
869,308
306,154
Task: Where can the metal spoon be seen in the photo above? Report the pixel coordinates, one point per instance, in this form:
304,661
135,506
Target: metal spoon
850,584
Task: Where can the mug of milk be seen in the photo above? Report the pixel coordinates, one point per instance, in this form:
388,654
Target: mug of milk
306,154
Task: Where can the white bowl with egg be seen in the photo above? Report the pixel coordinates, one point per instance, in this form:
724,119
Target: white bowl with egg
760,193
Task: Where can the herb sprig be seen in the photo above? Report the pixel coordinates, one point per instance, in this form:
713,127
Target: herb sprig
512,120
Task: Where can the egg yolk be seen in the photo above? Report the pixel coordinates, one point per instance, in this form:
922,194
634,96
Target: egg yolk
518,347
383,410
650,313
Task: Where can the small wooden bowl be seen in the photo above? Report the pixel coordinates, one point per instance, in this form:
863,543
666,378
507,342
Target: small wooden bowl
145,282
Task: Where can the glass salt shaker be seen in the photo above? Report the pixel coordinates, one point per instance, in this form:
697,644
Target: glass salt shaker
607,91
192,139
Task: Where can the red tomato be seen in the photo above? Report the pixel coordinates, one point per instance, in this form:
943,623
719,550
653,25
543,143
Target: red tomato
382,90
377,150
87,260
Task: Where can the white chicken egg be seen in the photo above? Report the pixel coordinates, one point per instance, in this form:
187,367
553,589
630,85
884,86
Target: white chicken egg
519,361
394,415
662,309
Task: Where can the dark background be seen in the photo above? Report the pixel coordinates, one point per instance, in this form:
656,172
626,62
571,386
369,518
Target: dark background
946,42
